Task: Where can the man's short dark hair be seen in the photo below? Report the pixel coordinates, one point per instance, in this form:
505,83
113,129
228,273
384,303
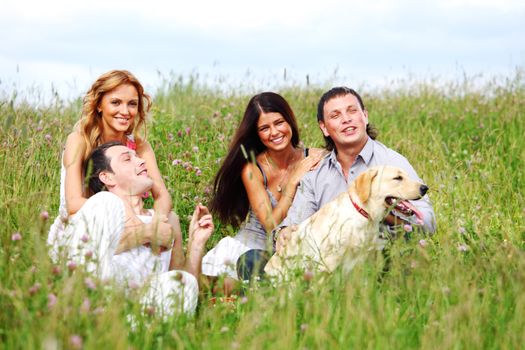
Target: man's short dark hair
338,92
97,163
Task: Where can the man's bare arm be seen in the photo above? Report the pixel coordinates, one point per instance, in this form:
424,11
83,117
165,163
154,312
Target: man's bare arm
158,234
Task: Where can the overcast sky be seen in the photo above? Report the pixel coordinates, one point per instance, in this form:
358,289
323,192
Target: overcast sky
68,43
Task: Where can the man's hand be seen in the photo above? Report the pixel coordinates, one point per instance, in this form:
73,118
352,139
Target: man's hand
201,226
160,234
284,236
157,235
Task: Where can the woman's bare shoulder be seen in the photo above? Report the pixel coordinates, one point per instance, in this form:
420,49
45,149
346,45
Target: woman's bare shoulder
75,140
250,170
75,136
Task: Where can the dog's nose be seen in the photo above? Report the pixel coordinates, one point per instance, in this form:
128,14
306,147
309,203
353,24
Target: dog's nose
423,189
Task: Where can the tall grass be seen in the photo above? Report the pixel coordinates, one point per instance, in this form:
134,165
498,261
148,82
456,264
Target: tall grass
462,288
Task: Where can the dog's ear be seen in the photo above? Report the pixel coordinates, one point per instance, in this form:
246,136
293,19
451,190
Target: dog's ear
364,185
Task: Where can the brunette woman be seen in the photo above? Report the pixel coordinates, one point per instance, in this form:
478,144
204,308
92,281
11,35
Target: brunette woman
257,181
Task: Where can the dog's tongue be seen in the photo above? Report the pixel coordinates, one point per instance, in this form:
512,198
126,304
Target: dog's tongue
417,213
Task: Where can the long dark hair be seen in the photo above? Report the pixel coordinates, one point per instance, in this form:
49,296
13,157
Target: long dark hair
229,201
338,92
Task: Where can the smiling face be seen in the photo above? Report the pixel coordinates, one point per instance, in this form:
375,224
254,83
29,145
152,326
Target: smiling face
129,175
274,131
345,122
118,108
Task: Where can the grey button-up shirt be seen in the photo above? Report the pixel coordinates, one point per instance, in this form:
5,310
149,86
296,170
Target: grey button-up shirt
323,184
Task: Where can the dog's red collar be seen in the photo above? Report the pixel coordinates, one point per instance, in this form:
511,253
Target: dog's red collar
359,209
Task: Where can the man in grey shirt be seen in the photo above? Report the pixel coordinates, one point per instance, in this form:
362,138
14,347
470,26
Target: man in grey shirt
343,119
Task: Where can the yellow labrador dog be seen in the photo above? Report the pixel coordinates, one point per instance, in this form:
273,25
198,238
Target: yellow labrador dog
345,229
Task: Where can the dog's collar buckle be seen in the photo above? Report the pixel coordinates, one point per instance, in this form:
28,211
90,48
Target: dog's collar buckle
359,209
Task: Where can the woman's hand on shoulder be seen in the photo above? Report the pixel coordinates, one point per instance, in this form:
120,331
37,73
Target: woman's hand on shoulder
308,163
318,152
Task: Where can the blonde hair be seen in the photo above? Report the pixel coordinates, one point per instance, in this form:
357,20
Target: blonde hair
90,123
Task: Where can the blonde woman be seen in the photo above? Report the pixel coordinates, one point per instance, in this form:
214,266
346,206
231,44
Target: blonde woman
114,109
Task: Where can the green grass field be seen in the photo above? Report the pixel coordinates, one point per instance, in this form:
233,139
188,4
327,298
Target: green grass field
463,288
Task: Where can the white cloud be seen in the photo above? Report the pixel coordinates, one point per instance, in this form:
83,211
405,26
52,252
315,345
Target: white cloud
59,40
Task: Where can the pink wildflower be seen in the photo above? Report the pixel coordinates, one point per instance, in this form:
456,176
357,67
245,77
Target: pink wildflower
34,288
86,306
75,341
150,310
423,243
16,236
463,247
90,284
308,275
188,131
44,215
71,265
56,270
51,300
407,228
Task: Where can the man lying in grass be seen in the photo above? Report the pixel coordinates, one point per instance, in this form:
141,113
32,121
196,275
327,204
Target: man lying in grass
109,237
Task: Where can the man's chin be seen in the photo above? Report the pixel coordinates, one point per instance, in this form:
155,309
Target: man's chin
140,190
